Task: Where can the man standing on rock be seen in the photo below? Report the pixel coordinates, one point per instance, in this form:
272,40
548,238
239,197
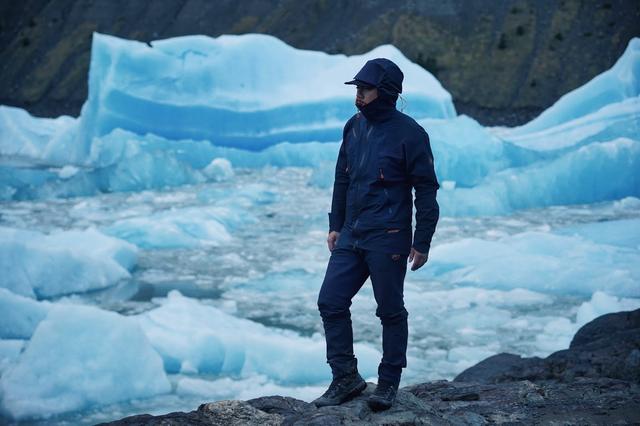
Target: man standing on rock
384,155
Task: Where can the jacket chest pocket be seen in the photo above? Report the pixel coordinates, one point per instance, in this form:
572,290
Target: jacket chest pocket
391,165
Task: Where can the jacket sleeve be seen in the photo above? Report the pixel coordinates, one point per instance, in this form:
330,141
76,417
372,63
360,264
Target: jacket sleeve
423,178
340,185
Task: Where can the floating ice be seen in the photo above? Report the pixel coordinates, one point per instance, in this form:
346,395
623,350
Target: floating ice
80,356
620,119
620,82
23,136
158,116
219,169
464,151
623,233
173,229
592,173
191,97
542,262
38,265
179,87
10,350
193,337
19,315
185,227
559,331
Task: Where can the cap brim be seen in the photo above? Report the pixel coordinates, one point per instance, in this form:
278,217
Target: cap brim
359,83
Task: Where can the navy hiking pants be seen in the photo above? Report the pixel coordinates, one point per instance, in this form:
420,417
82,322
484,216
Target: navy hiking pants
348,269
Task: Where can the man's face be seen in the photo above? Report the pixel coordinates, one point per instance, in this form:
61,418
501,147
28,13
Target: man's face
365,94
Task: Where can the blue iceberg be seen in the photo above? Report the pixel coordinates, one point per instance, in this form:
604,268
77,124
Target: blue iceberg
160,115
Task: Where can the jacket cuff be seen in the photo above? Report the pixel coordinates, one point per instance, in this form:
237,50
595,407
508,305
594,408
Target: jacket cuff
335,222
421,242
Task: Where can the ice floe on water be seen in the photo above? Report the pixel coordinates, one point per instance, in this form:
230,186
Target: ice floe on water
101,357
153,127
196,338
20,315
181,181
209,351
597,172
81,356
545,262
39,265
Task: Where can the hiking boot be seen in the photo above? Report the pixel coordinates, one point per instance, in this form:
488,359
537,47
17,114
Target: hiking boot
382,398
341,390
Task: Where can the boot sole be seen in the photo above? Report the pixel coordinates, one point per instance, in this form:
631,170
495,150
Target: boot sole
378,405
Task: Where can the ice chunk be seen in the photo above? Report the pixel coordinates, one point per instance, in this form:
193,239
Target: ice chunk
227,209
602,303
25,136
464,151
81,356
623,233
620,82
620,119
19,315
10,350
187,227
67,172
626,204
219,169
558,332
29,180
123,161
63,262
178,87
538,261
194,337
596,172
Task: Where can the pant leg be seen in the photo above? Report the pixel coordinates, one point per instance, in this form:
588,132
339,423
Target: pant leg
387,277
346,273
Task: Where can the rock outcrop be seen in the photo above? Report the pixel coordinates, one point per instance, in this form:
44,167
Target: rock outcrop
607,347
595,381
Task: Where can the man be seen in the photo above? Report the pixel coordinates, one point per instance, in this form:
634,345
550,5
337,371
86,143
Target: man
384,154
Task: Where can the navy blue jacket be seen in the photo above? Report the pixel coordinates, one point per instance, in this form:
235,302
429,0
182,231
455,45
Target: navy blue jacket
383,156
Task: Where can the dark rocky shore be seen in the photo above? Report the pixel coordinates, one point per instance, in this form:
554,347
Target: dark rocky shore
595,381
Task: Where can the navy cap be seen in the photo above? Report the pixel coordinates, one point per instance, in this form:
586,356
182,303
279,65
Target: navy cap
381,73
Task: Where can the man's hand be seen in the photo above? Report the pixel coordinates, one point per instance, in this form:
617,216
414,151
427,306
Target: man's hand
417,258
332,239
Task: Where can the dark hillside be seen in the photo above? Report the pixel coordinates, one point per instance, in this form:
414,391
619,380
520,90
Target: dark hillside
503,61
